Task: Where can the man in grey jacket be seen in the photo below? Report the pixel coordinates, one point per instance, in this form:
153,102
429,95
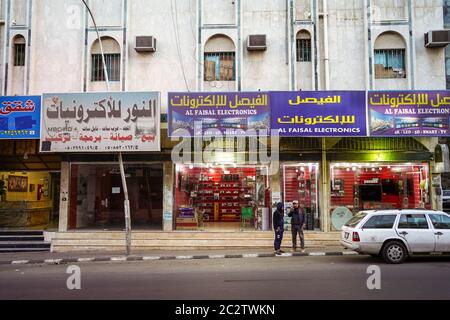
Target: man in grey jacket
298,223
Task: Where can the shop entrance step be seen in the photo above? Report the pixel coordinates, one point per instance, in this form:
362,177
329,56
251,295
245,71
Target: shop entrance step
23,241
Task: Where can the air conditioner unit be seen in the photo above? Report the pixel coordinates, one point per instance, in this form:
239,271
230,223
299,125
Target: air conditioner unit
145,44
437,38
256,42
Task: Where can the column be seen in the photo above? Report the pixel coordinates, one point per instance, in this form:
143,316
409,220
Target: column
64,197
168,197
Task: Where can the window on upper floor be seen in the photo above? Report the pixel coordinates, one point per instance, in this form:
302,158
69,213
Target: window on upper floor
390,63
219,59
303,45
19,51
219,66
390,56
112,60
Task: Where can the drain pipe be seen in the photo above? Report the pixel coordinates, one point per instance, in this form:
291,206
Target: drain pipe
325,178
325,46
126,203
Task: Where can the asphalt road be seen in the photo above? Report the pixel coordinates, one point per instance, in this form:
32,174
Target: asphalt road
278,278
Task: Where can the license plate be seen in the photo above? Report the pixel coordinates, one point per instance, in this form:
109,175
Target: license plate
346,235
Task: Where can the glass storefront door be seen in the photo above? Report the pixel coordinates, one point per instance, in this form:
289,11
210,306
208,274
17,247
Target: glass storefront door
97,196
300,182
226,197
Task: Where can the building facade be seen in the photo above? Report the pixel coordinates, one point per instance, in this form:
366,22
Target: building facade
51,46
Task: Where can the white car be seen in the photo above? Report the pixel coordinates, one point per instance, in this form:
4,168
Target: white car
397,234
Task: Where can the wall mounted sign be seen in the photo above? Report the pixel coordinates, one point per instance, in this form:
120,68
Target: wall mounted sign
20,117
100,122
409,113
319,113
230,113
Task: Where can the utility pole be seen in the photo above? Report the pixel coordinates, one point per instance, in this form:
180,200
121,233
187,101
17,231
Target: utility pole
126,204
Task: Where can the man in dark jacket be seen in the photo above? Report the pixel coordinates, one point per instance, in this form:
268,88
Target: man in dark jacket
298,223
278,226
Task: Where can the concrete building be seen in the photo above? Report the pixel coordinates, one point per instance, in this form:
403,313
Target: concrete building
51,46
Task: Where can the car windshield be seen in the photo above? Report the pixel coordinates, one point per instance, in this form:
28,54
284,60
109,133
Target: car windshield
356,219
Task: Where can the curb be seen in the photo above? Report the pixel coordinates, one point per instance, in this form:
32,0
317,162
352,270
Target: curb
117,259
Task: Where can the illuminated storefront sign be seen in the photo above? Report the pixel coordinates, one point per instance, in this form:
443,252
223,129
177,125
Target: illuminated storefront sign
409,113
319,113
20,117
210,113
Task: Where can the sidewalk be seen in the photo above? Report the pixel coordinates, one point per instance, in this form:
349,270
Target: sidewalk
82,257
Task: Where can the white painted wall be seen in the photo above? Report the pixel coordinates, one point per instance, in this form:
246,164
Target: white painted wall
59,43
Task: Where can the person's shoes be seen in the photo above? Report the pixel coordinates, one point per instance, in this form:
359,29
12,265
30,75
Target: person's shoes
303,251
278,253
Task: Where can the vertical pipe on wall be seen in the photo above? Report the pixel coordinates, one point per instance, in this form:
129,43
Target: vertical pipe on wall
325,41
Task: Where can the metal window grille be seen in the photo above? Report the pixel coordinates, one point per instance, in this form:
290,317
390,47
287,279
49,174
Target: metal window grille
303,50
390,63
19,54
220,66
112,66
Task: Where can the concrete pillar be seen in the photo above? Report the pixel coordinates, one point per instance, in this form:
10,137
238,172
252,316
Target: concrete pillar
276,181
64,197
168,195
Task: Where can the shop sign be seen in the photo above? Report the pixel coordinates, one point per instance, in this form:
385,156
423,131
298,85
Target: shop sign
231,113
409,113
100,122
319,113
20,117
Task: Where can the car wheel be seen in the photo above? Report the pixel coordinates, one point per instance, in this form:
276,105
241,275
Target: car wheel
394,252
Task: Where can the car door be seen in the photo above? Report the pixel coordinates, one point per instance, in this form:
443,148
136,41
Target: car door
416,231
441,224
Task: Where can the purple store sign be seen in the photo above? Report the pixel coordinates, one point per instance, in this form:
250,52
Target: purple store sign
409,113
319,113
231,113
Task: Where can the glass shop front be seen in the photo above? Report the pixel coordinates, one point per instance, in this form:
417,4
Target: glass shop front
377,186
222,197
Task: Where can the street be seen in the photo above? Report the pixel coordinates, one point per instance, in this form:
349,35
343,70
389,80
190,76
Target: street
337,277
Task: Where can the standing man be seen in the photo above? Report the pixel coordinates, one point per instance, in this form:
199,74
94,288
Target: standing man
298,223
278,226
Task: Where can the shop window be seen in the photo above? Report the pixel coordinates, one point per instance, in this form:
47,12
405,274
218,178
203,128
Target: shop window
303,46
31,196
380,222
376,186
111,50
413,221
224,197
97,198
19,51
300,182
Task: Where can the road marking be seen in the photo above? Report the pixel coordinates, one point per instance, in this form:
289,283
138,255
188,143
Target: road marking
250,255
85,259
20,262
350,253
